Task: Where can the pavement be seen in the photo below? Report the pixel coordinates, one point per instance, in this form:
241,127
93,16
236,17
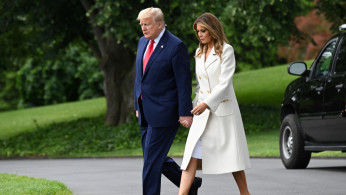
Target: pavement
122,176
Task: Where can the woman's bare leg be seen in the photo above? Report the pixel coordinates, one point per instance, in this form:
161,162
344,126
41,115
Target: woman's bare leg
240,179
187,177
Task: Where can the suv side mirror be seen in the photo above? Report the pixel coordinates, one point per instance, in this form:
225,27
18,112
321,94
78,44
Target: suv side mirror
297,68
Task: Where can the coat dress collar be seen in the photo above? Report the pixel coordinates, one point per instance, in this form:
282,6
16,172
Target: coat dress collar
212,57
203,65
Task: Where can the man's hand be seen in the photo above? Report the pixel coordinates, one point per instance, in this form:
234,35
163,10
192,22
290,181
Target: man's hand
186,121
199,109
137,113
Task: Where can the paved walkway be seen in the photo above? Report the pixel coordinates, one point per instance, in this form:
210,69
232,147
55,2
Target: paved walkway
122,176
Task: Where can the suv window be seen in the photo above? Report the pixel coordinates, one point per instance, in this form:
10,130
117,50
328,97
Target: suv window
323,63
340,65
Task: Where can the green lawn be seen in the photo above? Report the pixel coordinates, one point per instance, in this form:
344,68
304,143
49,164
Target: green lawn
13,184
260,144
77,129
89,136
264,86
3,106
19,121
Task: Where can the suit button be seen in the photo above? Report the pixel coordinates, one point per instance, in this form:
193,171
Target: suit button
201,91
208,91
199,77
206,77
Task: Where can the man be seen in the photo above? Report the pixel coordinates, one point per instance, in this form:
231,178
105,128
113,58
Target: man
162,95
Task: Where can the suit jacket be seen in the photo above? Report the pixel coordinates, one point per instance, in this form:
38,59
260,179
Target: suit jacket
166,83
220,127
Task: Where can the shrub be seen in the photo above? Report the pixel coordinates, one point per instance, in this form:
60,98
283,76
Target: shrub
74,76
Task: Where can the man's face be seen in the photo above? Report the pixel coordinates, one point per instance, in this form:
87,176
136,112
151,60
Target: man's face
150,29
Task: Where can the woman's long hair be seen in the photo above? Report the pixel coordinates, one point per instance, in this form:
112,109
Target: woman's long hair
213,25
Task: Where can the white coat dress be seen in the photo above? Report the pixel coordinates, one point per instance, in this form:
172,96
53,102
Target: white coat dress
220,128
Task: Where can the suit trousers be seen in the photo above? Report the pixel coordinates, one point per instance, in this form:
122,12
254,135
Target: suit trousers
156,142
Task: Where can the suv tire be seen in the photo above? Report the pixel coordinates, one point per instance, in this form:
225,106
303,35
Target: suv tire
292,151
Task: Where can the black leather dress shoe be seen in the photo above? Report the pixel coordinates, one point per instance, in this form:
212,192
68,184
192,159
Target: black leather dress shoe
197,182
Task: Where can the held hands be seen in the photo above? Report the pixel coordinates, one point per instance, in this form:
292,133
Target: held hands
186,121
199,109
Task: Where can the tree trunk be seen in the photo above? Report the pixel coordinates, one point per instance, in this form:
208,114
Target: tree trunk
118,67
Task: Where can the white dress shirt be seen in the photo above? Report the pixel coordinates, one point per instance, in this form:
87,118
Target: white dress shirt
157,39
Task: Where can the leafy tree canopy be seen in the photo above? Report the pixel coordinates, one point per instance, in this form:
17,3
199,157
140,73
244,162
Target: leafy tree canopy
257,28
42,32
334,11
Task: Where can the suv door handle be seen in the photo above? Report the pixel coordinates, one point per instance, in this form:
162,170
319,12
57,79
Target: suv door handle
340,86
319,88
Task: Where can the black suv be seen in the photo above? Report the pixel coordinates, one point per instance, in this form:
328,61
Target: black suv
313,112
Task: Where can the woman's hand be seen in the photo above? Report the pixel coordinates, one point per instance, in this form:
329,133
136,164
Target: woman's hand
199,109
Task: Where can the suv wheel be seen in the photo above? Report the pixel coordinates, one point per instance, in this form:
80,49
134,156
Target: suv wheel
292,151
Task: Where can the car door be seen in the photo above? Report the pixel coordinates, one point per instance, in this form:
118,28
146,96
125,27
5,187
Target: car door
311,99
334,99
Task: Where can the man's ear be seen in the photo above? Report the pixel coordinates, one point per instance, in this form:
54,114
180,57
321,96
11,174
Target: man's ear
160,25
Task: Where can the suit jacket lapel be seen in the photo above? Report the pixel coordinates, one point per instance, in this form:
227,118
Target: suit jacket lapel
159,47
141,50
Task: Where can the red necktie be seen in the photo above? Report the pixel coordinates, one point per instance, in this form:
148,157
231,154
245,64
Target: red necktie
148,54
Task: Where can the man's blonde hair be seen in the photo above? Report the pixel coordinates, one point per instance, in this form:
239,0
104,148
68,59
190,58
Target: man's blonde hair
152,12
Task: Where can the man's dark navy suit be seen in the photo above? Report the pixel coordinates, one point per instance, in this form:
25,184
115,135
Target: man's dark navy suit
166,94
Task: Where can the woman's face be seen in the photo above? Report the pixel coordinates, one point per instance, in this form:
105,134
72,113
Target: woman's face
203,34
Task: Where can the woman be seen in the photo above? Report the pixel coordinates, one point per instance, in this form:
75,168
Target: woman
217,130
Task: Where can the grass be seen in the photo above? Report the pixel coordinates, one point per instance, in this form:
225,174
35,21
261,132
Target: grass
72,138
264,86
260,144
77,129
26,120
4,106
91,137
251,88
14,184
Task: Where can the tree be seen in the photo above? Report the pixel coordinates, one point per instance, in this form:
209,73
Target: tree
257,28
108,27
334,11
42,30
315,31
116,31
37,39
